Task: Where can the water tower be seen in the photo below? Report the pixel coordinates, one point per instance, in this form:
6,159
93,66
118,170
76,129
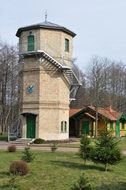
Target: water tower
48,82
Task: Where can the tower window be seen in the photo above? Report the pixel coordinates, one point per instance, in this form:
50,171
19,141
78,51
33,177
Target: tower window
30,43
66,45
63,127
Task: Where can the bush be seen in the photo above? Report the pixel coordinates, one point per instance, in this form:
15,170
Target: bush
3,137
27,155
13,138
19,167
106,151
39,141
11,148
85,147
54,147
82,184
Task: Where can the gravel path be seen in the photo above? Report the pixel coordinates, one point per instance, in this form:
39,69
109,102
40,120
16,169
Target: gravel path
124,152
4,145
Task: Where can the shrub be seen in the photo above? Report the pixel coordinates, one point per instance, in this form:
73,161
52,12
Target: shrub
85,147
82,184
13,138
19,167
39,141
27,155
3,137
106,150
11,148
54,147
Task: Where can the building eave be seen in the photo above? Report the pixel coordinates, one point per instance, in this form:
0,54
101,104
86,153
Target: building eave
39,26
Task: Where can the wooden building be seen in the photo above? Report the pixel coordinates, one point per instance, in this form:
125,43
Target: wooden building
84,121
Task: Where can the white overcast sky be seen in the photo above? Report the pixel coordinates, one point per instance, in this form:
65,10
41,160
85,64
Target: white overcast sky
100,25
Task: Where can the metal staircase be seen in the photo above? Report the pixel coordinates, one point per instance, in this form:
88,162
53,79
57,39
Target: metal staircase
67,71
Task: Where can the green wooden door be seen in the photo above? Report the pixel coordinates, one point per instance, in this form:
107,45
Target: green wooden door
31,121
118,128
85,127
31,43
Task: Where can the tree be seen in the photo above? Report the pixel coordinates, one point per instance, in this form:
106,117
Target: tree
9,87
97,82
27,155
85,147
82,184
106,150
81,96
103,85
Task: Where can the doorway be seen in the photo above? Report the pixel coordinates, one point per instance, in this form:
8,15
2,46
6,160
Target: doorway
31,125
85,127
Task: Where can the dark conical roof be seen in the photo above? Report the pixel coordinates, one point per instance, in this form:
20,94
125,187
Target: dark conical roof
45,25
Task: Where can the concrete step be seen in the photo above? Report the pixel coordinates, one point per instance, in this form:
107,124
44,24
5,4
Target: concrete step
22,141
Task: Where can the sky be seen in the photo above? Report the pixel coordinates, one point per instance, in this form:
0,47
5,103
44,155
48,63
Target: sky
100,25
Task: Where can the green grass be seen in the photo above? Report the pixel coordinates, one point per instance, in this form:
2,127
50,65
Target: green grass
58,171
121,144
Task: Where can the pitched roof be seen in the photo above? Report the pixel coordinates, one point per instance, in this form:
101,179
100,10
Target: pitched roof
45,25
108,112
72,112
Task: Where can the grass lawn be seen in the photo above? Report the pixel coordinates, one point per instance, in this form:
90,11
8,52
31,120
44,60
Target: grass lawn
121,144
58,171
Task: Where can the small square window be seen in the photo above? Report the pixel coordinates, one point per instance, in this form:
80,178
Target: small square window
66,45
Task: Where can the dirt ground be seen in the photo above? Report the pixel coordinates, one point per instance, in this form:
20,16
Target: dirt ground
4,145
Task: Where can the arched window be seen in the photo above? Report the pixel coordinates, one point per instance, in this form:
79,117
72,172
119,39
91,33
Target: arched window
31,43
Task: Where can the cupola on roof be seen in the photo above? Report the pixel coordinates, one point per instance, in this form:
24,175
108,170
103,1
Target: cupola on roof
45,25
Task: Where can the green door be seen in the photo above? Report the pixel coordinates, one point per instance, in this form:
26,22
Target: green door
31,121
118,128
31,43
85,127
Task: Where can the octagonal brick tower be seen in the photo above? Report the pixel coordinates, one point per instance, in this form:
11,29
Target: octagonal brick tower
45,51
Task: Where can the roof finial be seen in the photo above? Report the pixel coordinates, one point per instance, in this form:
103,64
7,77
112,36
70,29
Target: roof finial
46,16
